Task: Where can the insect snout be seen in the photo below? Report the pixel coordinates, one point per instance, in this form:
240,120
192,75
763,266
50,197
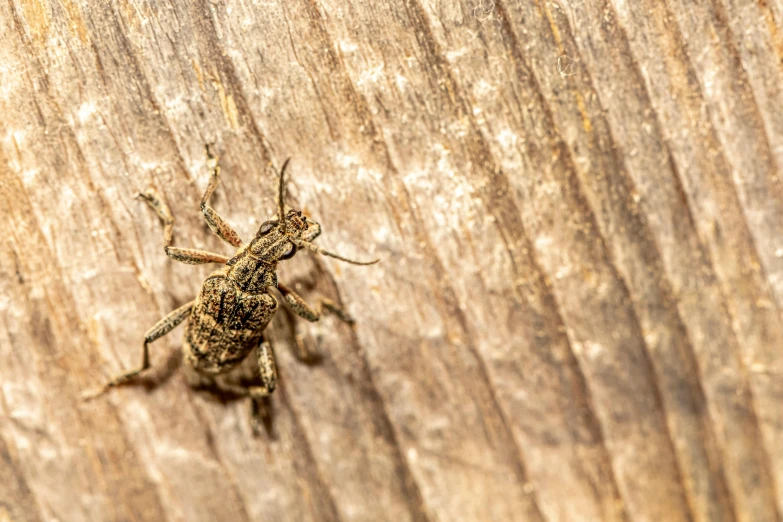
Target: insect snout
297,220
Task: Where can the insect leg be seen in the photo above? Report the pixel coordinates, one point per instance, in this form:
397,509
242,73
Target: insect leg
160,329
190,256
259,395
302,309
268,371
217,224
193,256
152,197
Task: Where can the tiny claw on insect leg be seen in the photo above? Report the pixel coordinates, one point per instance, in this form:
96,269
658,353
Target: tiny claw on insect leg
148,195
212,159
88,395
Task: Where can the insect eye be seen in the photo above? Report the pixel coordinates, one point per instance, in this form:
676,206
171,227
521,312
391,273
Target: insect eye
289,254
265,227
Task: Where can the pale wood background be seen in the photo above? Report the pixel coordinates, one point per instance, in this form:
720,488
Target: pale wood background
579,211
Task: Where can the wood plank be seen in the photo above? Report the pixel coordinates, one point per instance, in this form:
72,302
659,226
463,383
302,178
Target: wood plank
577,205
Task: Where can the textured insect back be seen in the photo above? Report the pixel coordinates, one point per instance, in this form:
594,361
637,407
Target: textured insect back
251,273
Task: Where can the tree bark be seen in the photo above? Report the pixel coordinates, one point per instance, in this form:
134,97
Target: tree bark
579,215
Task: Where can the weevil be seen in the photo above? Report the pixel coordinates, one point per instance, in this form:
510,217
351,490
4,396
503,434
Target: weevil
226,321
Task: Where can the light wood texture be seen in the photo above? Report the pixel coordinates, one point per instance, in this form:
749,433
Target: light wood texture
577,204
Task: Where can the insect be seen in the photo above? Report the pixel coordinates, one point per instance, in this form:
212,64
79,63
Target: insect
226,321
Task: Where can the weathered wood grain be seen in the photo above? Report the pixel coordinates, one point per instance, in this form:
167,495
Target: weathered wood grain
579,211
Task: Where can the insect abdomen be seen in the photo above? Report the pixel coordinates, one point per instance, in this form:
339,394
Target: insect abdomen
225,325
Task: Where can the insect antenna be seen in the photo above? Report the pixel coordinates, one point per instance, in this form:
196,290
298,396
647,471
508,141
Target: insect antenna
280,190
306,244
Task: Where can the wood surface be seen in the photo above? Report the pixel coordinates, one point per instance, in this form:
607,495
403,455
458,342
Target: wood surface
577,204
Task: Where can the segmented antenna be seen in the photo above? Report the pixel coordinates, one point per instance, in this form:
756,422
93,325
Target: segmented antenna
306,244
280,190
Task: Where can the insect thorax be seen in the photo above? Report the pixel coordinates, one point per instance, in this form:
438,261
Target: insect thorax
250,273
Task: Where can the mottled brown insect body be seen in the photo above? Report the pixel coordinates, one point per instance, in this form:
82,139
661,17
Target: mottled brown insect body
225,322
225,325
